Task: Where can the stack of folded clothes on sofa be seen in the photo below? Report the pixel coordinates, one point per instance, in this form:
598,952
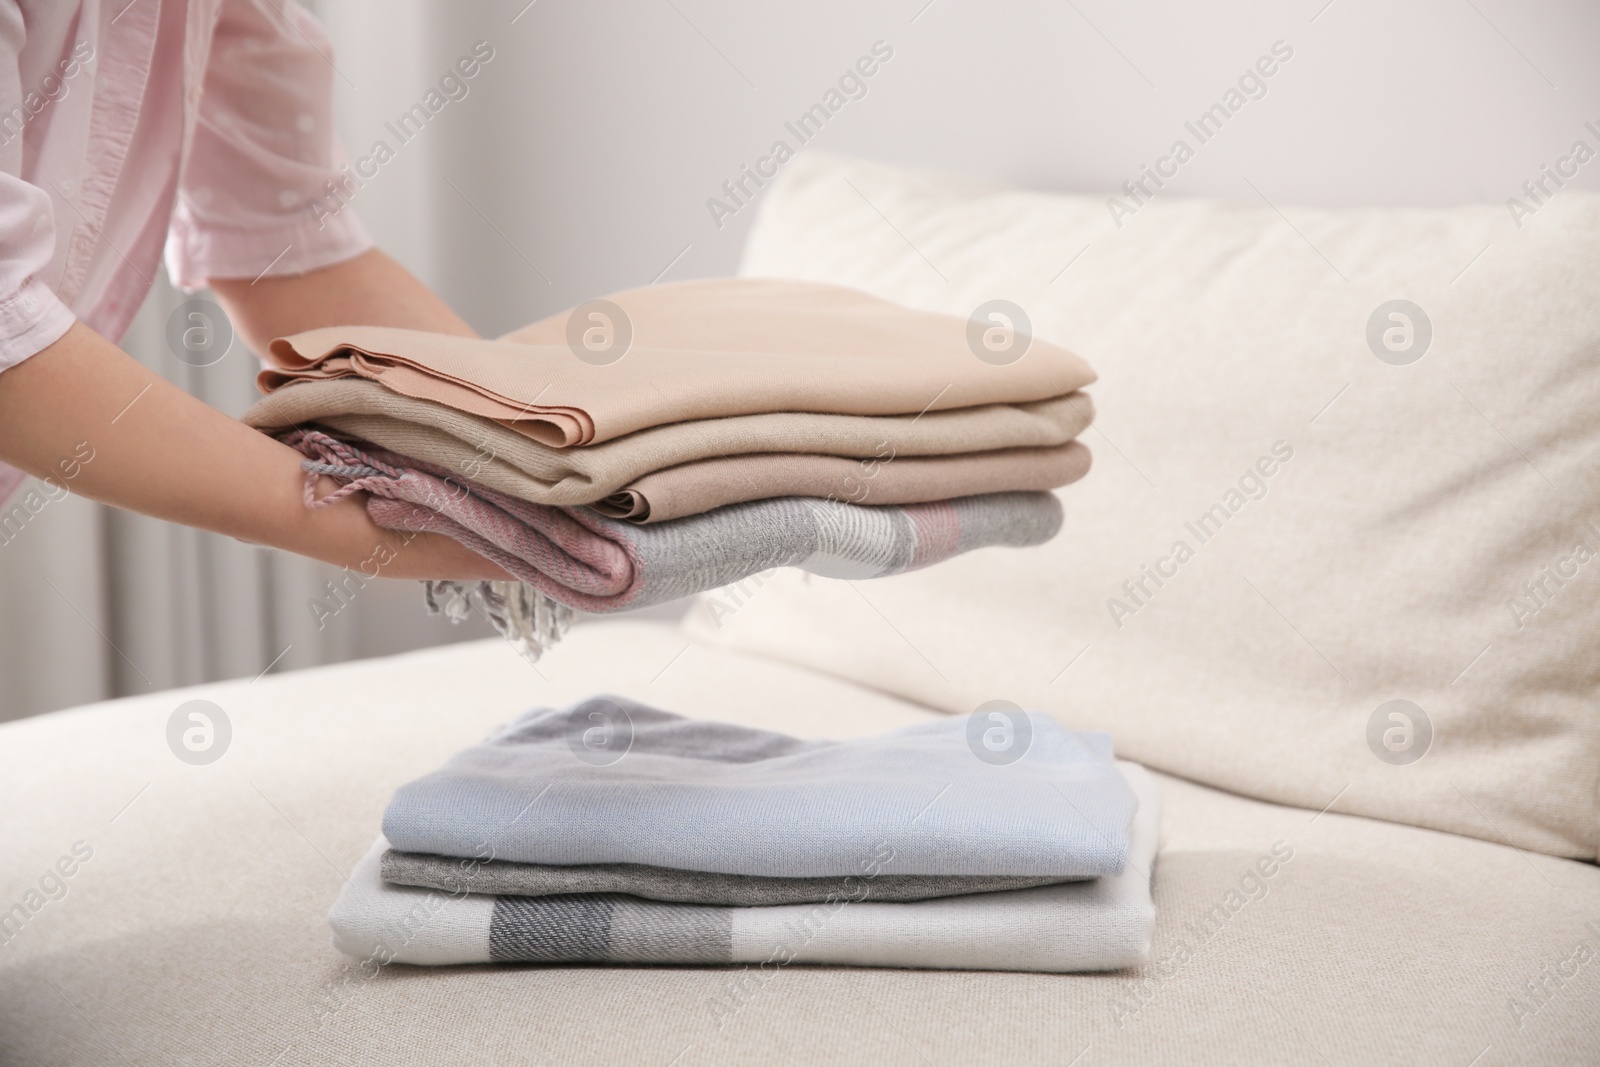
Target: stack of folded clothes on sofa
738,425
614,832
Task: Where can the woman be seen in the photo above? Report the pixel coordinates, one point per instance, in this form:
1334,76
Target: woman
204,127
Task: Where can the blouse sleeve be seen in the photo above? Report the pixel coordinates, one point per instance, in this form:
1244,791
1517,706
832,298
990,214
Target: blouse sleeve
32,317
263,192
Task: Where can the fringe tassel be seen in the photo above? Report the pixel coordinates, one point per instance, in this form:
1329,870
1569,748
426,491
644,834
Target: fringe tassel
527,618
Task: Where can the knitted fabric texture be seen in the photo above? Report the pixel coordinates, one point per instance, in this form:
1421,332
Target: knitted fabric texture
592,563
609,780
699,350
663,472
1098,925
504,878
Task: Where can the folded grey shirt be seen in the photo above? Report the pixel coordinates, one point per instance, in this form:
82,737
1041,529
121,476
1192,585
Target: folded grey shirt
453,874
613,781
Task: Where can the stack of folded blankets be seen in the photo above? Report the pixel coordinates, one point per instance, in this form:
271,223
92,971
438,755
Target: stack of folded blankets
614,832
735,425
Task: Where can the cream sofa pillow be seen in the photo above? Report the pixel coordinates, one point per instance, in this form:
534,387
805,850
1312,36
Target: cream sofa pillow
1341,545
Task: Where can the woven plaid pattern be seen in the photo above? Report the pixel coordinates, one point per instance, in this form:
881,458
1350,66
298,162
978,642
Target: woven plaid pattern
1099,924
586,561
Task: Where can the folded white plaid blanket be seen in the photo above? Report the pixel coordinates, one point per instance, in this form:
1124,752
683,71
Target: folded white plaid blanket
609,780
1098,925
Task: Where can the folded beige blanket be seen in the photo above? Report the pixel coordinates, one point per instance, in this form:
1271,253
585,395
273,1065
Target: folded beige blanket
698,350
698,487
681,469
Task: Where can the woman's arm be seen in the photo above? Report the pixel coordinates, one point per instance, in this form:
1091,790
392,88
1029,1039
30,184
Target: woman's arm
159,451
368,290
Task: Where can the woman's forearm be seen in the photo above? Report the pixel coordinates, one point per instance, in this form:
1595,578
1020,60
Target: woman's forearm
96,422
369,290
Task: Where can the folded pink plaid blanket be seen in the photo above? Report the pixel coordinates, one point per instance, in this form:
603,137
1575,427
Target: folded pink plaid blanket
584,560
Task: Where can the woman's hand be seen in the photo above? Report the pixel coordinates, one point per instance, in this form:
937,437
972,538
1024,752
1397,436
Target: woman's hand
431,555
98,423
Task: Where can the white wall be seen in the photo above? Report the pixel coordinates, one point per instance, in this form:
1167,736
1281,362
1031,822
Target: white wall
590,144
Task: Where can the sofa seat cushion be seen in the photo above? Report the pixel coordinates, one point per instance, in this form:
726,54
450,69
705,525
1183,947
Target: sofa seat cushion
195,930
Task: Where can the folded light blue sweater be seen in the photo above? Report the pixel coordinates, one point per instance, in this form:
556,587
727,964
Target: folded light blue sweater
613,781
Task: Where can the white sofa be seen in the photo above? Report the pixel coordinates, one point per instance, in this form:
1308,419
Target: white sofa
1359,909
196,932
